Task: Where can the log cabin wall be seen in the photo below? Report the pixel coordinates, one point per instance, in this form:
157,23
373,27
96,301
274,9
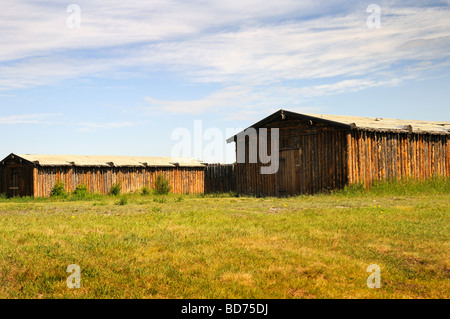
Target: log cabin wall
183,180
322,152
376,155
16,177
312,158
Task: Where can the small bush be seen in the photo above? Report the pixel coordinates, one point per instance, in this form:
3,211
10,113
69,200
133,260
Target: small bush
81,191
162,186
102,203
159,200
146,191
115,189
179,199
123,201
58,189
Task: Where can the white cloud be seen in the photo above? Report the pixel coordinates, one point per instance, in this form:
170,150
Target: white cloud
228,97
92,126
259,51
41,118
48,70
344,86
301,50
244,102
37,28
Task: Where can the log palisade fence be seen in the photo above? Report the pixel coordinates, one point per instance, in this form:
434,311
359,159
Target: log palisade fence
375,156
100,180
220,178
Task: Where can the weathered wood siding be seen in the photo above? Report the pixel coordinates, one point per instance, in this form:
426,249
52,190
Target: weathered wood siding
312,158
16,178
381,155
220,178
316,157
183,180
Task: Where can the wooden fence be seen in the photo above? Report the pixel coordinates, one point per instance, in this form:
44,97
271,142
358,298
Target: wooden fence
384,155
183,180
220,178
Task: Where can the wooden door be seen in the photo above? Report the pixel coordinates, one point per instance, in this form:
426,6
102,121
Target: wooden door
288,172
14,183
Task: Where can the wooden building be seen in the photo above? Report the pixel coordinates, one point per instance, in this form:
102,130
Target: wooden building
324,152
35,175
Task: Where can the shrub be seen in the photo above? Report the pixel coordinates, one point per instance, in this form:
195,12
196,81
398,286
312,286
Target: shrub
162,186
81,191
58,189
159,200
179,199
123,201
146,191
115,189
102,203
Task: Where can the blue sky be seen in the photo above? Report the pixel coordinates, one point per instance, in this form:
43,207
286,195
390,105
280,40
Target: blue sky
134,71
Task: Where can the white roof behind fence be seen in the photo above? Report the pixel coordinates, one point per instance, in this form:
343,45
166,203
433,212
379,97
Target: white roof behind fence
110,161
382,124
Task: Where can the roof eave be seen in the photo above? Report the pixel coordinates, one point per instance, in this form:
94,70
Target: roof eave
23,159
284,113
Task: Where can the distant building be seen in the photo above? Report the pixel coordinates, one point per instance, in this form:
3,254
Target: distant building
35,175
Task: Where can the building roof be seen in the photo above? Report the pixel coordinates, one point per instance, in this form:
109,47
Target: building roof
363,123
382,124
109,161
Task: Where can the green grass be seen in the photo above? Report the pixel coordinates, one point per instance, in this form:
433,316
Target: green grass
224,246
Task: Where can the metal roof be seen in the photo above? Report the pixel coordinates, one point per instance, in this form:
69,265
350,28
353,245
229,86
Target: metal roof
362,123
109,161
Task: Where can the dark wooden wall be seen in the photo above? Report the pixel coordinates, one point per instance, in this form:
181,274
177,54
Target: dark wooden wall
381,155
16,178
182,180
312,158
220,178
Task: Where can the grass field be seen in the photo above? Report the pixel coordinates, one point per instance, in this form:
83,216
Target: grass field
136,246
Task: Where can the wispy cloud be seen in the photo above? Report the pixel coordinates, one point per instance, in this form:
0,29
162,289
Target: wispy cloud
241,101
229,97
38,28
306,50
92,126
253,49
42,118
